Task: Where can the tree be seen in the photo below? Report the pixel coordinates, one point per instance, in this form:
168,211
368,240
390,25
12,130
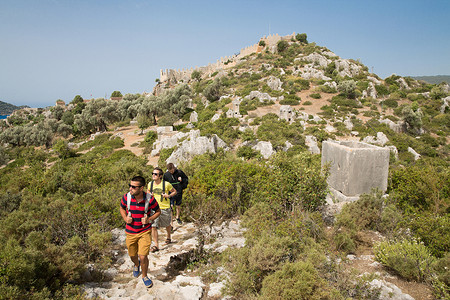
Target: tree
301,37
116,94
196,75
176,101
212,91
4,158
78,99
64,129
281,46
97,115
143,122
67,117
57,112
347,88
412,118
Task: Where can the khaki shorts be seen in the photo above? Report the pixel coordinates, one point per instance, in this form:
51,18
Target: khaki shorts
164,219
139,244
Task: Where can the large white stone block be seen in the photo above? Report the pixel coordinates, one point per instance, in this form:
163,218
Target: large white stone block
356,167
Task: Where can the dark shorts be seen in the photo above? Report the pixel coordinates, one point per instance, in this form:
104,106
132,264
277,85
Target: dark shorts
176,200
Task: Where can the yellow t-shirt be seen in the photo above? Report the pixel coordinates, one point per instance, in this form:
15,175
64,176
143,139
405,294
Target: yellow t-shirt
163,203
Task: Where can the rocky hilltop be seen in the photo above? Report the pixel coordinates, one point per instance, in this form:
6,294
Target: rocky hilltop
250,131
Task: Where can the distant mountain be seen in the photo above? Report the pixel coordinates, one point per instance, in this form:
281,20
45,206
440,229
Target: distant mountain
7,109
433,79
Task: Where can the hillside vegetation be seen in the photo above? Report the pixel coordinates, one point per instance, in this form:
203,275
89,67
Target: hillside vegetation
60,189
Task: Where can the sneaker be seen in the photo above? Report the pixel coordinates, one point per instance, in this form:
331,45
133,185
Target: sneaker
137,270
179,221
147,282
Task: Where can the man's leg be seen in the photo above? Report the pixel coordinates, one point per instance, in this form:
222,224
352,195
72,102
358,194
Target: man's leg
155,236
144,248
168,230
178,211
144,264
132,246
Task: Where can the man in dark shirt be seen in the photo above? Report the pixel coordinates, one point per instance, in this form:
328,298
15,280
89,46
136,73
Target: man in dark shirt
179,181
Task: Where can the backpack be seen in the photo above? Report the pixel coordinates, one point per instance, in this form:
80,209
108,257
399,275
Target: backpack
147,202
185,181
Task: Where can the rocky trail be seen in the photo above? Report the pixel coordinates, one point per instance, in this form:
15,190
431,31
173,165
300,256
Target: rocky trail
166,270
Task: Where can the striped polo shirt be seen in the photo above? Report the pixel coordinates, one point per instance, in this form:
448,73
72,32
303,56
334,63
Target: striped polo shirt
137,212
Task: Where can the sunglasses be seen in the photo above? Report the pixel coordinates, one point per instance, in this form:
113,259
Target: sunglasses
157,174
134,186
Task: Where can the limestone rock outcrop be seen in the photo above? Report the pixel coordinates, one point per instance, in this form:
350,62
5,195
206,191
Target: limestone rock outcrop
193,145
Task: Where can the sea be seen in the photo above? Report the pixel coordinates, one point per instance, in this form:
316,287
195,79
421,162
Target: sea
3,116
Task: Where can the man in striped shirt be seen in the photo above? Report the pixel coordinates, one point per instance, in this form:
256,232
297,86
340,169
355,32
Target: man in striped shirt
138,225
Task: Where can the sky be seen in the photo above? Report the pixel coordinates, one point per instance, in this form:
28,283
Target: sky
57,49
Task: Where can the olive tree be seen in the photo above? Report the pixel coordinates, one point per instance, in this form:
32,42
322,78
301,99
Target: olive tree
97,115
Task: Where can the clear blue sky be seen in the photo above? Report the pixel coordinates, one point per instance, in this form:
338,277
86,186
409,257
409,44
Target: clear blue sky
56,49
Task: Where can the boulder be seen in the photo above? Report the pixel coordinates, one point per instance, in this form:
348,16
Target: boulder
311,142
193,117
413,152
265,148
347,68
193,145
381,139
274,83
444,104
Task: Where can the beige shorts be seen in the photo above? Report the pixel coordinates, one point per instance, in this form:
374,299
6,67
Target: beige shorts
139,244
164,219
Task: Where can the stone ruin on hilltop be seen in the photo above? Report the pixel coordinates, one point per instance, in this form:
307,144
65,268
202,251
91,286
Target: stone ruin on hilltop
171,76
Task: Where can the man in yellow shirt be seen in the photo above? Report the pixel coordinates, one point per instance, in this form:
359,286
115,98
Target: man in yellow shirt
162,191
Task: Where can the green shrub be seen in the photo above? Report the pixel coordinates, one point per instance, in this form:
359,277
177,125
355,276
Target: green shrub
433,230
301,37
281,46
409,258
315,96
150,137
345,242
420,187
390,103
290,101
299,280
307,103
247,152
164,154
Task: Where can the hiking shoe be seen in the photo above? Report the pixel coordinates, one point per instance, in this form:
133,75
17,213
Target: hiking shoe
179,221
137,270
147,282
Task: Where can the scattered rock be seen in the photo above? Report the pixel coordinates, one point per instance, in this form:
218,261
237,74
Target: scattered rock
413,152
193,117
311,142
265,148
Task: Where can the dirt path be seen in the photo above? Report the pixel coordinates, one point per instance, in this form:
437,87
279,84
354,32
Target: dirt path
132,137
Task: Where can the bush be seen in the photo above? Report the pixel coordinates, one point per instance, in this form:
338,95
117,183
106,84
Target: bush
247,152
390,103
410,259
301,37
420,188
281,46
315,96
299,280
212,91
433,230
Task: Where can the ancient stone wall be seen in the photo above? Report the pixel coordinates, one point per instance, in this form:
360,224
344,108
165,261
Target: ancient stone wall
184,75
